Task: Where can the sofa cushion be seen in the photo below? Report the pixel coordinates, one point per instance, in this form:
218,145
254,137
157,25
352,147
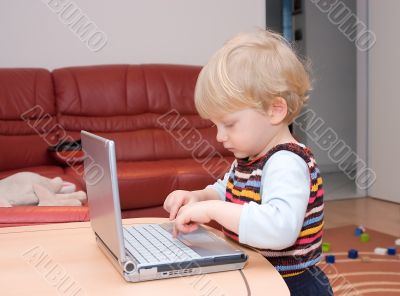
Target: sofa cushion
27,123
28,215
146,212
144,184
147,109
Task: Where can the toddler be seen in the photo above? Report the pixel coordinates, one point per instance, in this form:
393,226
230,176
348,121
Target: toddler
271,199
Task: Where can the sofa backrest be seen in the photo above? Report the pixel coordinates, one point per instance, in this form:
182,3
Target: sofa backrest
147,109
27,115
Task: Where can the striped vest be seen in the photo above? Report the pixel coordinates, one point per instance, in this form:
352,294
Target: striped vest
244,186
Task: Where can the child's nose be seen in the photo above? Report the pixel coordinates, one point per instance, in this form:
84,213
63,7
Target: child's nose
221,136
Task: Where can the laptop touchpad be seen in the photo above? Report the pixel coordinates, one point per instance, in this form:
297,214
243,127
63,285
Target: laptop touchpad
203,242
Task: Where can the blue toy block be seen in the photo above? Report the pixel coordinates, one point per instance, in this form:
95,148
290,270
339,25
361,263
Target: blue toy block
358,231
353,253
391,251
330,259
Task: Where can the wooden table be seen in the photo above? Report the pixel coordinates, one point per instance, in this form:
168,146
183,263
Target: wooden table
64,259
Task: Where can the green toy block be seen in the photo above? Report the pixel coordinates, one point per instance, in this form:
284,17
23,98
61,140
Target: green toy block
364,237
326,247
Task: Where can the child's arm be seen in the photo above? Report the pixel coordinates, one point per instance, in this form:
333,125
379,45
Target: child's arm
276,223
225,213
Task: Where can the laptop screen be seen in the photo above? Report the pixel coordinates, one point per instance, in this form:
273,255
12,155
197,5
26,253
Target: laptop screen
102,190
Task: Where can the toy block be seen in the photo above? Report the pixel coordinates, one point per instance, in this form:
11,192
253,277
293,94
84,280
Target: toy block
397,242
353,254
380,251
358,231
364,237
326,247
391,251
330,259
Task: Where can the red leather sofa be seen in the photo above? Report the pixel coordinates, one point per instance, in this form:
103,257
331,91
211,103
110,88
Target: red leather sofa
161,142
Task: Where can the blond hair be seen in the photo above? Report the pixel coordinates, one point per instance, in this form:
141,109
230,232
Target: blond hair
249,71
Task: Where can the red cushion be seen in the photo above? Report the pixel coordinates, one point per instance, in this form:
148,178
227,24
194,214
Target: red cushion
27,118
144,184
147,109
19,216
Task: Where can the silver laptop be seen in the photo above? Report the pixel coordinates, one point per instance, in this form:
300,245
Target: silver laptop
145,251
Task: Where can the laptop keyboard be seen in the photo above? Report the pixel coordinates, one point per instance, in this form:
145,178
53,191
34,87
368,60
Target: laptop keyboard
150,243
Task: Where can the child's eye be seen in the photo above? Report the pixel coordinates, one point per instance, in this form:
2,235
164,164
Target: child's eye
231,124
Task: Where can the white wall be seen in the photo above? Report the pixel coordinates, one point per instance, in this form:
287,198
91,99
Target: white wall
35,33
384,101
333,59
362,96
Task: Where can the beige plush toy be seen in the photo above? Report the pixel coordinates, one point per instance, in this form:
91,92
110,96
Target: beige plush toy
33,189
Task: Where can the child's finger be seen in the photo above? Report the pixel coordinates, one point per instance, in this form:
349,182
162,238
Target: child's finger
174,211
192,227
185,226
174,231
166,205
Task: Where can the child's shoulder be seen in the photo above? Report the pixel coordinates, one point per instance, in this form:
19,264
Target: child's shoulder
296,148
288,157
289,151
284,155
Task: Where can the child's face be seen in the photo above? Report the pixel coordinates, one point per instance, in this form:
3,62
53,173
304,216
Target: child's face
246,133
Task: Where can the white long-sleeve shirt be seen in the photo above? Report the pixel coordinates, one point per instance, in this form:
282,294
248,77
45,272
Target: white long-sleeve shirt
285,190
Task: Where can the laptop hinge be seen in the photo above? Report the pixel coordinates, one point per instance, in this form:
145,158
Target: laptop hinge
126,266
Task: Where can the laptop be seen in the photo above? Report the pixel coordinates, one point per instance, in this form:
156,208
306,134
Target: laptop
143,252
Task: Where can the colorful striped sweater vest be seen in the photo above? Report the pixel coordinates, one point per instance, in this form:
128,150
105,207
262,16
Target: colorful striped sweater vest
244,186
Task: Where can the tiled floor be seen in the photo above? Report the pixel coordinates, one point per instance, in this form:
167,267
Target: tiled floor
372,213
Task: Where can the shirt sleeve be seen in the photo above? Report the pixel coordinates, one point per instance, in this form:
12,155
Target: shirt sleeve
220,184
276,222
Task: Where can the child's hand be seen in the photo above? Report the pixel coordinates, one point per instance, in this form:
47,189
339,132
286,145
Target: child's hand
177,199
191,215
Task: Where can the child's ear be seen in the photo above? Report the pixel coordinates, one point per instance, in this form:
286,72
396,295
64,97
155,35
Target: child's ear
277,110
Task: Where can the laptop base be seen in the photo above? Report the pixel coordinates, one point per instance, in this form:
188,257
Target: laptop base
139,274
